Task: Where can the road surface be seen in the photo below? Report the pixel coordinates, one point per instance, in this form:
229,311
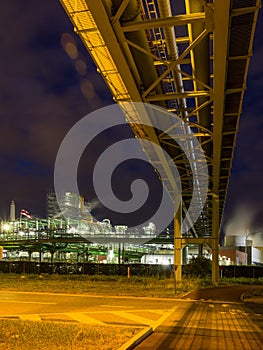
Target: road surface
102,310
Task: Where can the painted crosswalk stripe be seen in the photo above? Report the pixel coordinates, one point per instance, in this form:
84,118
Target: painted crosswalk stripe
136,318
30,317
83,318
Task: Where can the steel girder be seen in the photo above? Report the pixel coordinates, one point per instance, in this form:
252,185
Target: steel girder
202,81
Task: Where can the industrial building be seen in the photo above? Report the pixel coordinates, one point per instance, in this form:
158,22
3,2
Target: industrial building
243,249
70,233
60,238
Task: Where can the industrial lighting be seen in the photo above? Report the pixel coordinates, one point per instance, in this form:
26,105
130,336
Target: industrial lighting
6,227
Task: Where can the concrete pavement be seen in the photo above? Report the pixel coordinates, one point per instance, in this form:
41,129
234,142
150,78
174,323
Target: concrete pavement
200,325
212,325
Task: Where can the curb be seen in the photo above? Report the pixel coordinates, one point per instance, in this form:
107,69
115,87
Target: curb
183,295
245,298
242,296
137,339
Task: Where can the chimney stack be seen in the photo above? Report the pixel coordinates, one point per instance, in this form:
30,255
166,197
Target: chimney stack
12,211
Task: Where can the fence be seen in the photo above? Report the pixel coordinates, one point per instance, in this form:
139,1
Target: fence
31,267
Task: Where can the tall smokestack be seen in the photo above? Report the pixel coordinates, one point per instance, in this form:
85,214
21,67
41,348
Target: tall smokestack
12,211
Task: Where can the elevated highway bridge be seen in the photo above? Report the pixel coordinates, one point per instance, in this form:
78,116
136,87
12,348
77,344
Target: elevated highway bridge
190,57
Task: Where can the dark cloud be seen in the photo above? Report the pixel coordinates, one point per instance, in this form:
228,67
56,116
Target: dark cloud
40,98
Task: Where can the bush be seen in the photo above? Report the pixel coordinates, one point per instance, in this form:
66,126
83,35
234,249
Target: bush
198,267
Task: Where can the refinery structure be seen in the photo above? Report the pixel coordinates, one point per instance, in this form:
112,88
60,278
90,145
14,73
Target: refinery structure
71,234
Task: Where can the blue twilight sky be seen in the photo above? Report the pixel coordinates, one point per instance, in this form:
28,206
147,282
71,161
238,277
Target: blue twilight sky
44,91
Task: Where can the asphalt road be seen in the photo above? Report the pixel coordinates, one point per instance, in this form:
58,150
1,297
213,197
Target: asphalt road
224,293
103,310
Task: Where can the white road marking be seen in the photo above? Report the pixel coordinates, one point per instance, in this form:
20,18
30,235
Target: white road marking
80,317
26,302
126,307
30,317
135,318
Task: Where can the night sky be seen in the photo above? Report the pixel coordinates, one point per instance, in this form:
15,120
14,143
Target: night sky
47,85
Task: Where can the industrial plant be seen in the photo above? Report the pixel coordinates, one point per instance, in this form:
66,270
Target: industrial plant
70,234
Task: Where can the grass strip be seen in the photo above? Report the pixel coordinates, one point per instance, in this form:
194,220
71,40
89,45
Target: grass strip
112,285
25,335
107,285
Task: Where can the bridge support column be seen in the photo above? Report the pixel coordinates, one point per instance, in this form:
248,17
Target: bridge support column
177,246
215,238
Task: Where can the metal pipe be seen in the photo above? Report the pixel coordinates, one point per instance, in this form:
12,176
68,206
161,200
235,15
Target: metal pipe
146,69
201,55
173,54
131,12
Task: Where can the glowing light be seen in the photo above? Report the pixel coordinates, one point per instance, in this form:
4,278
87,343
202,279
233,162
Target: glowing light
72,230
6,227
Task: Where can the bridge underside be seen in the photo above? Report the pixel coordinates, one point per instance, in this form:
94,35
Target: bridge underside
190,57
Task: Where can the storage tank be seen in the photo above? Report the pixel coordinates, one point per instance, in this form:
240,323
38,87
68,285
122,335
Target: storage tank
257,238
235,241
